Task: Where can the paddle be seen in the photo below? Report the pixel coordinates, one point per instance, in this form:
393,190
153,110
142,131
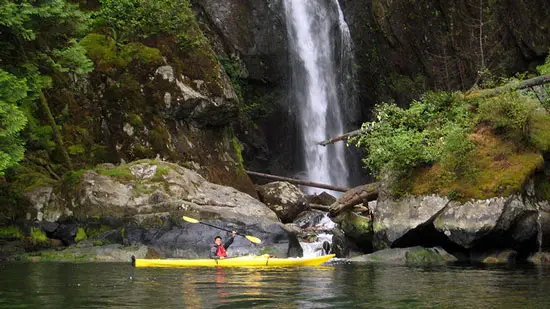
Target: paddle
253,239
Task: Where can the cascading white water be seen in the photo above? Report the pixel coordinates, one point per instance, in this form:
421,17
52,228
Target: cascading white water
317,247
318,73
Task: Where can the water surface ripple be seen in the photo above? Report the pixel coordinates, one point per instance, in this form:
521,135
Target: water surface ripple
94,285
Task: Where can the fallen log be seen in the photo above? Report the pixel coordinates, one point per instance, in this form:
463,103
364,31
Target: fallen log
341,137
324,208
513,86
299,182
358,195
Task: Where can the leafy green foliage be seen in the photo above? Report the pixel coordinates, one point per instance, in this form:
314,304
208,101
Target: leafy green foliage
37,42
432,129
12,120
139,19
544,68
73,59
508,114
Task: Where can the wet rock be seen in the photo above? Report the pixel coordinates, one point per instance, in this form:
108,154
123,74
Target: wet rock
284,198
357,228
412,255
322,198
343,246
309,218
49,227
66,232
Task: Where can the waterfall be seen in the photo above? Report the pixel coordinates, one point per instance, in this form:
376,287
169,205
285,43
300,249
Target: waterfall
320,52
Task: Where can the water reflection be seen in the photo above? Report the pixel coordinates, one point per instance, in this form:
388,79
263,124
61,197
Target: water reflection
46,285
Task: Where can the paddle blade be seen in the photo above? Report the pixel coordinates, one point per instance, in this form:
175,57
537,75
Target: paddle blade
190,220
253,239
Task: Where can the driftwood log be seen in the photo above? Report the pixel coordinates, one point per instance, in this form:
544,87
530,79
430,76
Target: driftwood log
299,182
358,195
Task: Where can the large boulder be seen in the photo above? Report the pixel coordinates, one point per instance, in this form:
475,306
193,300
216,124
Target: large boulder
393,218
475,222
357,228
150,197
284,198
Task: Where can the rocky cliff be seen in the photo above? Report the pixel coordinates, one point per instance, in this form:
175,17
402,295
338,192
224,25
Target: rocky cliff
406,47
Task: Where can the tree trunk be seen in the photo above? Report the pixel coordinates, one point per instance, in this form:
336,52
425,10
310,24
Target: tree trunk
299,182
56,134
358,195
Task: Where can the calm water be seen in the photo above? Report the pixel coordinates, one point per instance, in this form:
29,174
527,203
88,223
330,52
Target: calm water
54,285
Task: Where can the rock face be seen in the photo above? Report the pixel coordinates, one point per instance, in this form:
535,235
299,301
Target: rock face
252,36
432,43
284,198
146,200
467,224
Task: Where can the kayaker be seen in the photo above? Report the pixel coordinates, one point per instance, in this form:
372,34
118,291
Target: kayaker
218,251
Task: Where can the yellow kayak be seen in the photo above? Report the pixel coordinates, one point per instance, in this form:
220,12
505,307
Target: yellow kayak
243,261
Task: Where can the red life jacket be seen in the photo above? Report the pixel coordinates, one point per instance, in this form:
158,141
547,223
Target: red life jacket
221,251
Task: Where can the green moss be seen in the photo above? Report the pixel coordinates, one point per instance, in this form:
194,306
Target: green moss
80,235
76,149
141,54
102,50
95,230
162,170
500,168
105,53
237,148
38,235
10,231
142,189
121,173
134,119
539,131
424,257
73,178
